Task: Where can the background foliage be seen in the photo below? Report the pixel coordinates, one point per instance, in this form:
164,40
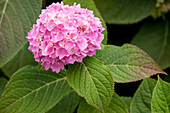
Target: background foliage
120,78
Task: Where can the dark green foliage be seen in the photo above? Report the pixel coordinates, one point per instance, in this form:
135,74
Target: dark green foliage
93,85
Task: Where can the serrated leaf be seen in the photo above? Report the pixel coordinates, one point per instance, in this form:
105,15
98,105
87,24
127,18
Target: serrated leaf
116,106
67,105
89,4
141,102
23,58
16,18
86,108
128,63
125,12
3,82
31,91
161,97
127,101
154,38
92,80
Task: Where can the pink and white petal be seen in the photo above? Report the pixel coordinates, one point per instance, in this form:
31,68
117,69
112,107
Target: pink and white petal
99,38
69,45
46,65
82,44
57,66
91,53
61,52
70,59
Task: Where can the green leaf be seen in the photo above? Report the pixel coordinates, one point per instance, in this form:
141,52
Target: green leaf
125,12
23,58
68,104
141,102
92,80
16,18
89,4
161,97
31,91
86,108
154,38
128,63
116,106
127,101
3,82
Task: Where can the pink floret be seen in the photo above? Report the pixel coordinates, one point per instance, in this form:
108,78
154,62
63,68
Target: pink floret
63,35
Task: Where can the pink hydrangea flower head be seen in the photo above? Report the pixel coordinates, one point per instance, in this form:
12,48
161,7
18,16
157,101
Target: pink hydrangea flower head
64,34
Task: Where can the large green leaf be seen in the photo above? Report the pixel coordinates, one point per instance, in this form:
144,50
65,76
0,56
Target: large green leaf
116,106
127,101
68,104
128,63
124,11
31,91
154,38
89,4
141,102
92,80
3,82
16,18
23,58
86,108
161,97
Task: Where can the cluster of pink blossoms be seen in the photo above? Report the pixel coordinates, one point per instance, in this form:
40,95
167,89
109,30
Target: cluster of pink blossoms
64,34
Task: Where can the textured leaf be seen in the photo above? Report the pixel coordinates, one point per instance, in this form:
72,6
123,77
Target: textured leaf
31,91
128,63
154,38
127,101
92,80
67,105
16,18
141,102
125,12
23,58
161,97
116,106
3,82
89,4
86,108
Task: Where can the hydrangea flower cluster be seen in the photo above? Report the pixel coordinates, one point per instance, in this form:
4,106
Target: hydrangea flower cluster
64,34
